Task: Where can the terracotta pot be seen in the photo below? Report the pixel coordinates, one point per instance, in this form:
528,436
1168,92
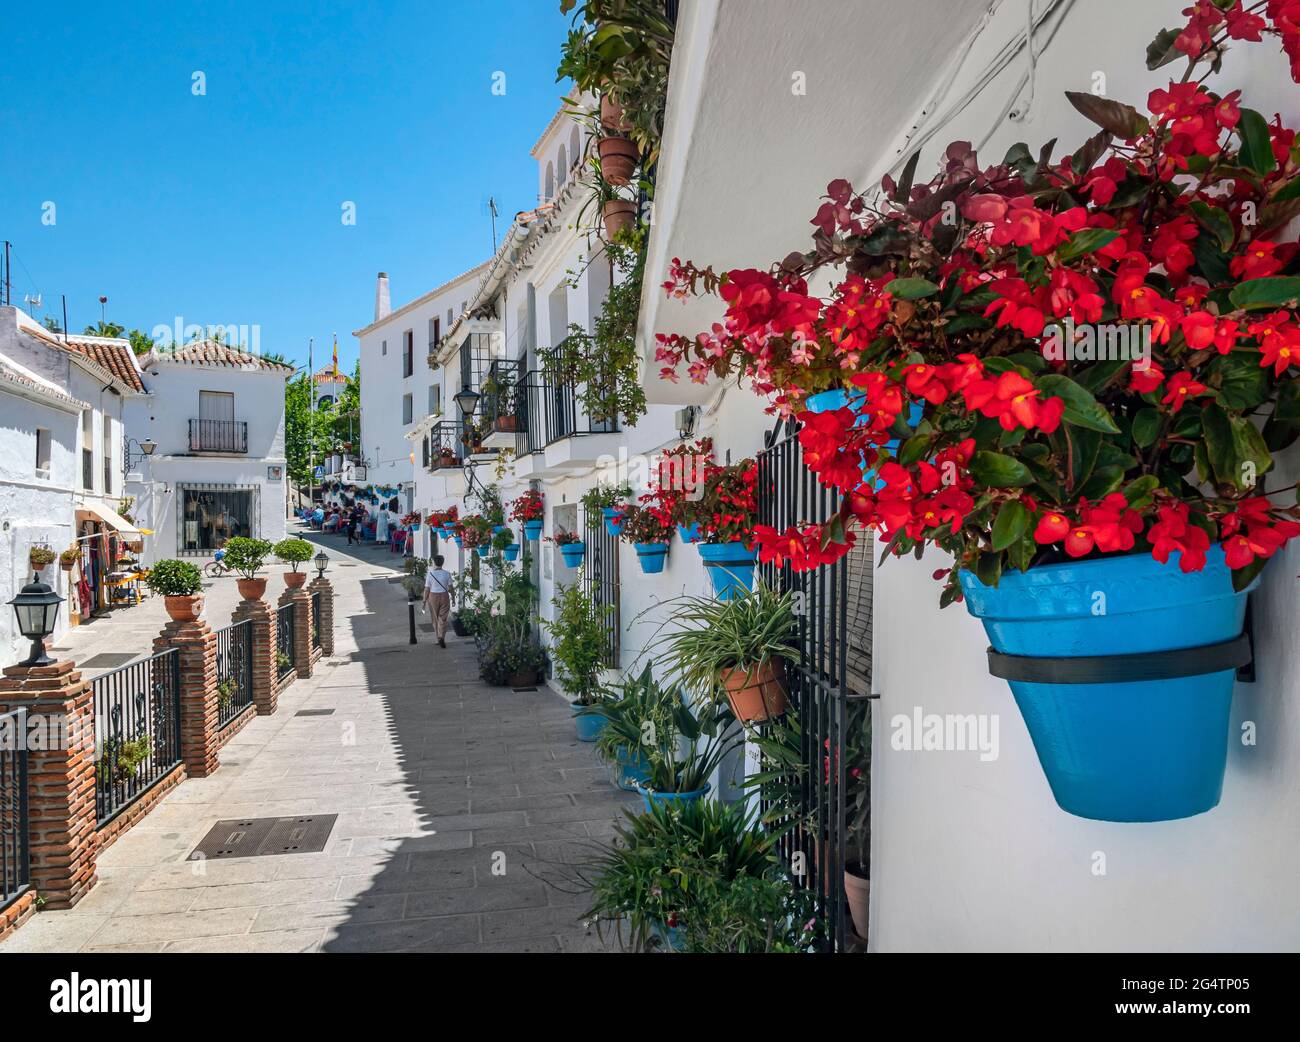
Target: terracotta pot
857,889
758,694
251,589
507,424
618,159
294,580
611,115
522,680
620,215
185,608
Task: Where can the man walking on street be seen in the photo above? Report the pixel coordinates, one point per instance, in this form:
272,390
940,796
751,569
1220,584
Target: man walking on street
354,518
437,596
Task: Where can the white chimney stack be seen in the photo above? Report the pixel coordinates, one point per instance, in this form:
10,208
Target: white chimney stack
382,305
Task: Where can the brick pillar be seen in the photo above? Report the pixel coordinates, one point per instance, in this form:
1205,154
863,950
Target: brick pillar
261,617
301,601
197,648
60,777
326,621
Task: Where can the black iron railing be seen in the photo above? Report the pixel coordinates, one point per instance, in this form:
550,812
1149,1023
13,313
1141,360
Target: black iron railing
137,730
315,616
601,577
15,858
218,436
234,670
284,628
550,410
502,405
444,446
810,800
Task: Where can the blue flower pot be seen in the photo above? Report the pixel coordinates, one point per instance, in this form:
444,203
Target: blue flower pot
448,530
498,529
730,567
573,553
672,799
533,530
1149,750
460,540
634,770
588,724
651,556
689,533
613,519
828,401
414,526
511,552
483,550
670,937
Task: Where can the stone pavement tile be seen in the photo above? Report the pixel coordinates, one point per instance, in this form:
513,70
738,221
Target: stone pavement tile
477,899
307,940
485,803
260,895
459,840
522,945
501,819
596,812
141,948
174,926
408,935
209,873
53,932
396,881
558,830
321,914
529,922
331,866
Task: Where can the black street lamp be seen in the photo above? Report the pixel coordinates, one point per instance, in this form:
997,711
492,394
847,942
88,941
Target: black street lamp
466,400
322,562
146,448
37,608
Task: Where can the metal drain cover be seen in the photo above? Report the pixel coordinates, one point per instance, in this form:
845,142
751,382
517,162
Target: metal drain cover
258,837
314,712
518,689
108,659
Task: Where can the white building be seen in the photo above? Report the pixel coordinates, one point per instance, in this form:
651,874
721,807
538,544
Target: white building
400,388
61,474
216,418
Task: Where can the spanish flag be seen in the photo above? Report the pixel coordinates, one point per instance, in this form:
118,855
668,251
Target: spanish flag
336,354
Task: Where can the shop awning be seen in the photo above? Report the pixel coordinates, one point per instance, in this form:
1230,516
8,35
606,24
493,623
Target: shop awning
114,520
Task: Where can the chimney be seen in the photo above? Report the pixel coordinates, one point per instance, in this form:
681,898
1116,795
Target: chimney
382,305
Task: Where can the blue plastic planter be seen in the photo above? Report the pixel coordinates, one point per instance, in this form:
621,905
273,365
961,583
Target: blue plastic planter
589,724
689,533
1151,750
828,401
484,550
414,526
460,540
573,553
511,552
730,567
633,770
613,519
498,529
651,556
669,936
673,799
533,530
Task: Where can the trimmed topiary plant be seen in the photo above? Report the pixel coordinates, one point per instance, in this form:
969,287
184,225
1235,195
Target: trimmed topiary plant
173,578
293,551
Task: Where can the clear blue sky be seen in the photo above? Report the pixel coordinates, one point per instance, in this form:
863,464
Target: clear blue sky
225,208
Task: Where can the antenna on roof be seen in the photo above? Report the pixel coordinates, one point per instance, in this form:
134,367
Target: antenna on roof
33,303
492,210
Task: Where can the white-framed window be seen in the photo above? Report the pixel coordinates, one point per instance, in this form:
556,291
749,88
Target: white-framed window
87,450
108,455
408,408
43,444
435,399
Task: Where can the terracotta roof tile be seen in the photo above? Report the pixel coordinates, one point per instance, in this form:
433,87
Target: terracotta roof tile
113,355
209,352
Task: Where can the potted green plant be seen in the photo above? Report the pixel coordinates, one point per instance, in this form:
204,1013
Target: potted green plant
246,557
572,549
579,643
649,529
634,716
293,552
609,500
180,583
40,557
857,811
735,649
686,752
509,654
69,558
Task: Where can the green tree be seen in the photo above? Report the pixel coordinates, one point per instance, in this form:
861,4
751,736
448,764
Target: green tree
110,329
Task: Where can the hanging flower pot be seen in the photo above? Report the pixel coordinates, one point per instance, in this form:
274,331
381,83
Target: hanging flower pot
460,541
613,519
533,530
483,550
619,216
689,533
1127,708
829,401
651,557
496,529
611,115
618,159
730,567
588,724
511,552
573,553
671,799
756,695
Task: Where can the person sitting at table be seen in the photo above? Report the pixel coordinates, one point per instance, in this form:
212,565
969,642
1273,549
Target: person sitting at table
317,517
331,523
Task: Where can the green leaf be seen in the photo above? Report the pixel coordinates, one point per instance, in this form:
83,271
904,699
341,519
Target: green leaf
1271,292
1138,491
1146,425
1086,241
914,449
1081,408
966,323
911,288
1102,482
1244,383
1256,148
1161,51
1010,525
1283,427
1235,450
1216,221
1289,190
995,470
1243,577
1121,120
904,187
989,568
1021,553
1087,154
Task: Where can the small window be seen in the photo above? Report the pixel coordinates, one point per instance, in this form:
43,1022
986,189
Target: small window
383,347
408,353
450,318
407,407
43,452
435,399
108,455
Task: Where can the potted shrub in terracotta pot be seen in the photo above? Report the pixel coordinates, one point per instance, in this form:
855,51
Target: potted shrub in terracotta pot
69,558
857,811
618,159
293,552
735,649
180,584
40,557
246,556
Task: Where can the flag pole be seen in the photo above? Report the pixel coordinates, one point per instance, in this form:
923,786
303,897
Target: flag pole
311,425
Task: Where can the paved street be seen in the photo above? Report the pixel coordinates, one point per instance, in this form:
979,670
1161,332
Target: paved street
463,810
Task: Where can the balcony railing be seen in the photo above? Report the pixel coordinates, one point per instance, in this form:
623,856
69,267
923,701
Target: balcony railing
218,436
444,446
502,408
550,411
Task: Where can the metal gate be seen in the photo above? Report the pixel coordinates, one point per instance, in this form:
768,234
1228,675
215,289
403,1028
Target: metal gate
809,800
602,580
